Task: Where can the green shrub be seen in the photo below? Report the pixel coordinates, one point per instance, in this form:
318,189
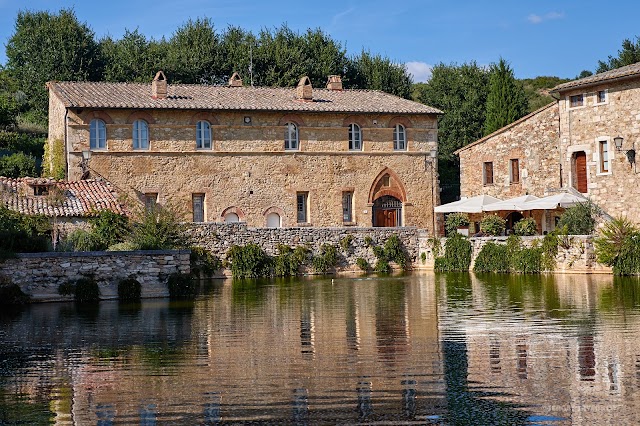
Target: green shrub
436,246
368,241
423,257
204,261
549,252
492,258
457,254
527,260
67,289
394,251
86,290
628,260
613,236
129,290
181,286
288,261
362,264
159,228
580,219
18,165
345,243
32,145
11,294
326,259
492,224
23,234
526,227
126,246
455,221
82,240
108,228
382,266
249,261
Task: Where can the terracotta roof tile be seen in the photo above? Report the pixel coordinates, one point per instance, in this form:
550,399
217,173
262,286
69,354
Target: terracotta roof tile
618,73
81,198
184,96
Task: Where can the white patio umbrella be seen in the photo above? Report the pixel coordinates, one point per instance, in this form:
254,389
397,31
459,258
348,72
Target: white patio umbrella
552,202
510,204
467,205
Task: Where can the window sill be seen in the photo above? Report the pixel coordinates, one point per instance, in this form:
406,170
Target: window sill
304,225
349,224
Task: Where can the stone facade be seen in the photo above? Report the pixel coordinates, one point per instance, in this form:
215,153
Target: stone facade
219,238
247,174
40,274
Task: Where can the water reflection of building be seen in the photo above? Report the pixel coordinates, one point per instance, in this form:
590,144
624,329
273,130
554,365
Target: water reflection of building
549,346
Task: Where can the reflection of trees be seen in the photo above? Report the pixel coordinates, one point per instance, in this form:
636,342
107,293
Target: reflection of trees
459,289
624,293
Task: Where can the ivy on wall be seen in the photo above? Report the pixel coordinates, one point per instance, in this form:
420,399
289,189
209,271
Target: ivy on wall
54,164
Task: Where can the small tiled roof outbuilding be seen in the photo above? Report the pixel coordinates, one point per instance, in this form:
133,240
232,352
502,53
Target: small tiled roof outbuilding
622,73
84,198
203,97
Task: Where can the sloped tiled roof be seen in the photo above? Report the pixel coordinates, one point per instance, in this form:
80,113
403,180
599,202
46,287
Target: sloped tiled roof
618,73
82,198
202,97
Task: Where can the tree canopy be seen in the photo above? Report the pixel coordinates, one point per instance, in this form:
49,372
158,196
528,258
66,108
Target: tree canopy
627,55
506,101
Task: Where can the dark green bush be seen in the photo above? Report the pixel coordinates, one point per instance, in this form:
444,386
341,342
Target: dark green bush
82,240
87,290
23,234
549,252
181,286
204,261
527,260
67,289
526,227
492,224
288,261
32,145
249,261
455,221
580,219
129,290
457,254
368,241
628,260
345,243
326,259
492,258
108,228
394,251
11,294
362,264
18,165
382,266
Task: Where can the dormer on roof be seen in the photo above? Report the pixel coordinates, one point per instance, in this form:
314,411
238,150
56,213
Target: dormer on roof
304,91
334,83
159,86
235,80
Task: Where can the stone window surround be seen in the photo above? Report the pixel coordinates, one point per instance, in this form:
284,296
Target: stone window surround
232,209
137,135
606,97
201,204
572,149
584,101
596,155
101,128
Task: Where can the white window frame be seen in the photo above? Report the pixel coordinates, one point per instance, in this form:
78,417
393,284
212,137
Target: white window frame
355,137
598,156
597,99
197,203
399,138
584,101
97,134
140,135
203,135
347,207
302,207
291,137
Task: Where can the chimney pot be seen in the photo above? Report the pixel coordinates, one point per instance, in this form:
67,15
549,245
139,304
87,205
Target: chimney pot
334,83
304,91
235,80
159,86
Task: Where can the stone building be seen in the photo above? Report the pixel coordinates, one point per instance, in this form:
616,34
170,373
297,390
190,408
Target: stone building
585,141
267,156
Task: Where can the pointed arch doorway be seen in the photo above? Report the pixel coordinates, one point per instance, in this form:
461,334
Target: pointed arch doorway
387,211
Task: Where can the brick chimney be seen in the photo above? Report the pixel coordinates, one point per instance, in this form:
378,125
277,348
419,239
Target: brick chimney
304,91
159,86
334,83
235,80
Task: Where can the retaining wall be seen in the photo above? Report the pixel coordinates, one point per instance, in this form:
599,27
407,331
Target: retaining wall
40,274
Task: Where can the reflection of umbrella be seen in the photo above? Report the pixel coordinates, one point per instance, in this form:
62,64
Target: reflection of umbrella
510,204
552,202
468,205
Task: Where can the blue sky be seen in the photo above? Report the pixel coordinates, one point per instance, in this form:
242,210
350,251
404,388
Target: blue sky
541,37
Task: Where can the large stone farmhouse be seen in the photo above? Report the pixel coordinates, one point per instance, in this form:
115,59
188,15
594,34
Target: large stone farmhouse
271,157
584,142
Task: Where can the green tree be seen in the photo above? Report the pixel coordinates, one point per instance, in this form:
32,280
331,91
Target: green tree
132,58
627,55
18,165
506,101
236,50
47,46
193,53
373,71
8,111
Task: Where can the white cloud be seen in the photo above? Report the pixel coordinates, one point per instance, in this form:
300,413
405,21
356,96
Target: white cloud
339,16
537,19
420,71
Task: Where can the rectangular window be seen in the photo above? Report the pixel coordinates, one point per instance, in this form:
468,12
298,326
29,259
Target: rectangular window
150,201
301,206
604,156
487,173
347,206
576,100
198,207
601,96
514,171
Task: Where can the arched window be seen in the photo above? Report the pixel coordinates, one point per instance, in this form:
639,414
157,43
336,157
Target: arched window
203,135
97,134
231,218
399,138
140,134
291,141
273,220
355,138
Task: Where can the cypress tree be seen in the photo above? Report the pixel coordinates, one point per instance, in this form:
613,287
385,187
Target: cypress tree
506,101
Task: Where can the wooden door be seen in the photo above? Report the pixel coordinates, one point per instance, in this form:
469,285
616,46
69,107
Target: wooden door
386,218
580,172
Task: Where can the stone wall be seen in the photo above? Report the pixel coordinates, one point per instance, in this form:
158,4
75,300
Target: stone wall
575,252
583,127
219,238
247,171
40,274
